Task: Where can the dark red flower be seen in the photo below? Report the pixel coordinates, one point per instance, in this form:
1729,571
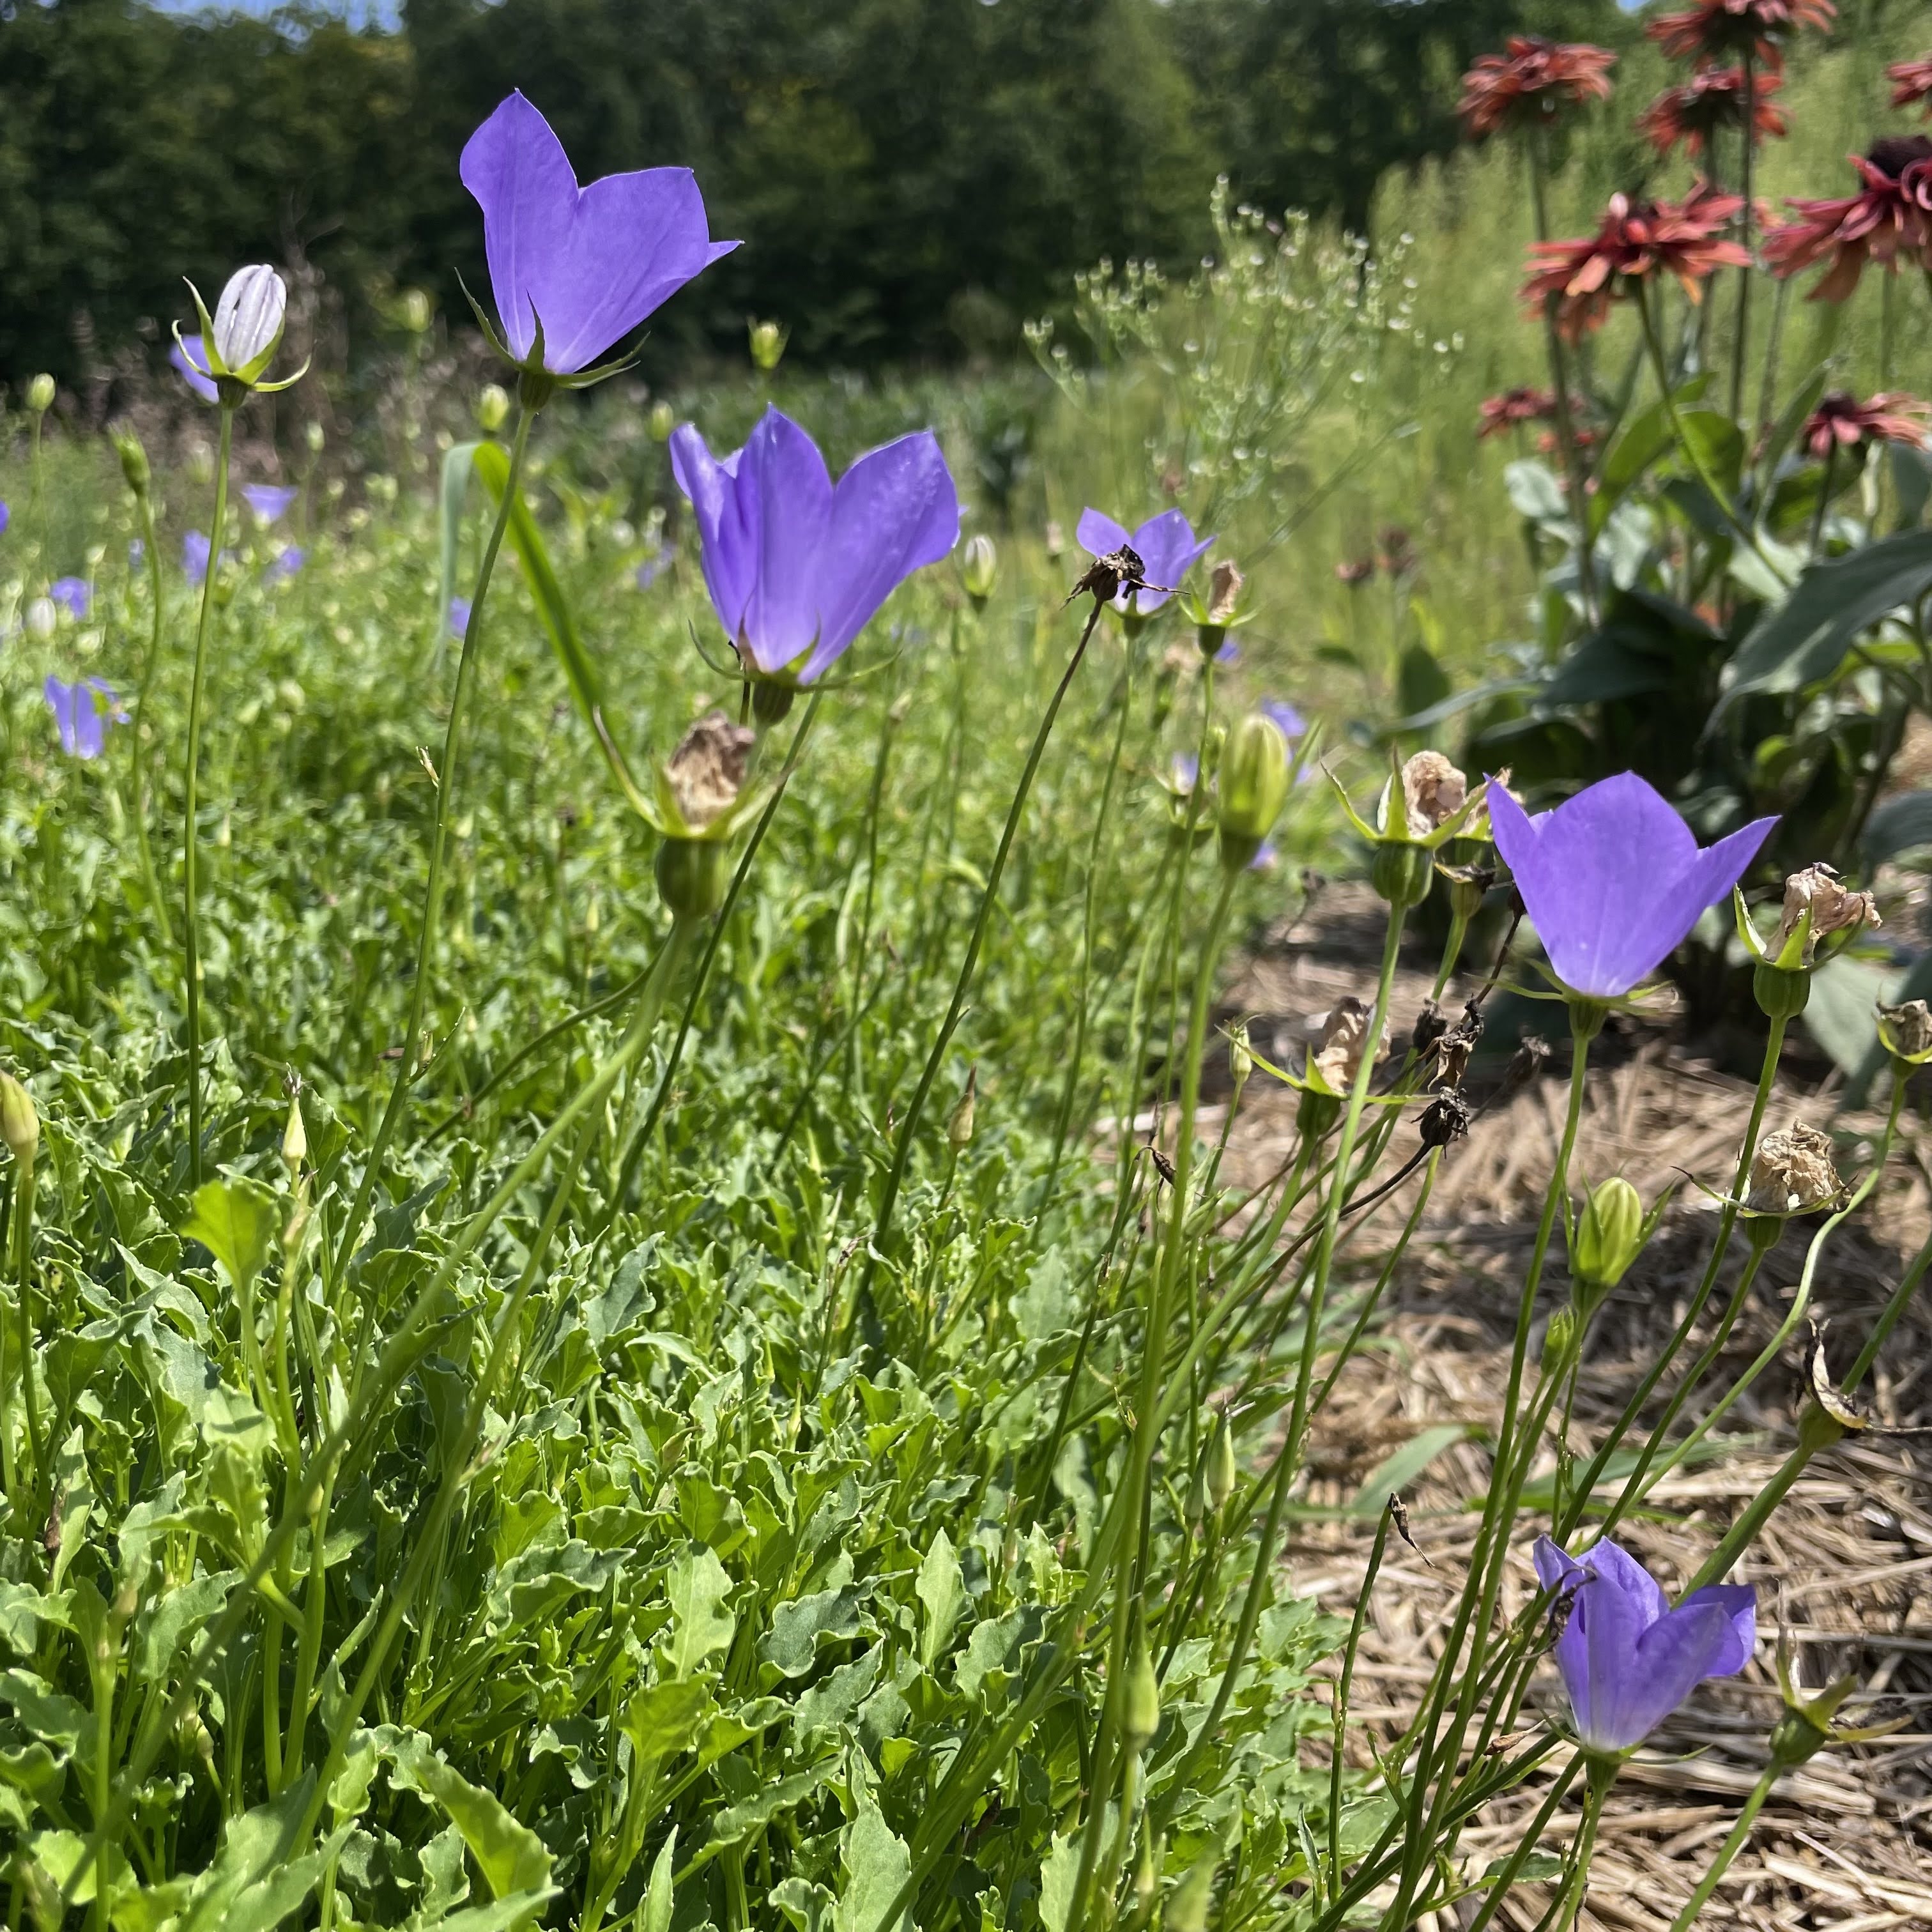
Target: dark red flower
1841,421
1355,571
1514,407
1637,240
1581,434
1533,80
1911,82
1714,30
1713,98
1890,218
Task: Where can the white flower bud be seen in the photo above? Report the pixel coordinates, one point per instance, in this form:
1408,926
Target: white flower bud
248,320
40,394
41,617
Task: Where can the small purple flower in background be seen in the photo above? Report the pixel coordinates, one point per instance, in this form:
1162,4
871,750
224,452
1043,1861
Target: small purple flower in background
6,517
82,712
137,552
1265,857
1613,879
193,366
194,556
290,559
1628,1660
1289,722
586,264
796,568
74,595
457,616
269,501
1165,545
1230,653
1183,769
653,567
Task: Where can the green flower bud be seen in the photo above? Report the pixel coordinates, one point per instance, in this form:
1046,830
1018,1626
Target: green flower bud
1609,1235
295,1137
134,460
692,874
1220,1464
1469,886
40,394
1559,1335
1251,786
1140,1714
1780,991
1240,1058
492,408
771,702
1401,871
415,311
959,1126
1146,1879
768,345
980,569
19,1123
313,436
663,420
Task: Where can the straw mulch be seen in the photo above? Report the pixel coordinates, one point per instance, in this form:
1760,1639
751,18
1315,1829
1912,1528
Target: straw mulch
1845,1567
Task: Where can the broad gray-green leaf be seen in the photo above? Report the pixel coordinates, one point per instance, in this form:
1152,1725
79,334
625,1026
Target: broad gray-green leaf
942,1589
662,1720
238,1220
256,1881
799,1627
698,1586
1901,824
876,1863
512,1858
1057,1873
656,1916
1536,493
1839,1014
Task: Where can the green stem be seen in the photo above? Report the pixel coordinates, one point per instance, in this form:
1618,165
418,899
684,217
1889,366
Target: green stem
1340,1713
151,549
1526,1843
22,1230
191,835
1741,347
909,1127
1739,1833
409,1065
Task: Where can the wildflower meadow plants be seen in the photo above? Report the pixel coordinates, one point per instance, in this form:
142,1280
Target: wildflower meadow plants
600,1333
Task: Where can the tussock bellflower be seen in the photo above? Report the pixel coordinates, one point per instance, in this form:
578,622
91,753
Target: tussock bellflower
1613,879
795,566
1165,545
82,712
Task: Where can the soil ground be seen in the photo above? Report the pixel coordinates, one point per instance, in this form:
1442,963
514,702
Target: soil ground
1845,1567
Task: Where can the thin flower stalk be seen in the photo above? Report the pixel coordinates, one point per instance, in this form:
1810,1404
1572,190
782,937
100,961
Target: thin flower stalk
138,754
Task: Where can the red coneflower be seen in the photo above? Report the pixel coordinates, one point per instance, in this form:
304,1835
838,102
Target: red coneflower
1911,82
1712,99
1841,422
1726,30
1890,217
1637,240
1533,80
1581,436
1515,407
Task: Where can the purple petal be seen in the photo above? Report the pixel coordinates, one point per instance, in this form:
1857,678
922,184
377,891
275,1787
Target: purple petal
728,549
1738,1602
194,368
269,501
74,594
1671,1659
591,263
1288,721
1168,552
6,517
1099,535
894,511
1613,879
458,616
194,556
1230,653
60,701
290,559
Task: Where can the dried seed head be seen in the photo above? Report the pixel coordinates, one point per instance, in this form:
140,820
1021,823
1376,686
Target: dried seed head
1106,576
1224,593
1817,889
1432,790
1338,1057
1446,1118
1906,1030
707,770
1792,1172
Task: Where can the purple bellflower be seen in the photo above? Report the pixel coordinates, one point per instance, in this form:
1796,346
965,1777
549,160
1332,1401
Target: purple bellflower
75,595
457,616
795,566
287,562
195,554
82,712
190,357
1289,722
269,501
6,517
1165,545
1613,879
575,269
1627,1659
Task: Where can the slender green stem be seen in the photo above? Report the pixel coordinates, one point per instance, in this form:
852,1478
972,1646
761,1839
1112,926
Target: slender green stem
22,1230
1344,1685
409,1066
1740,1833
1526,1842
1741,347
191,833
1603,1772
150,664
962,986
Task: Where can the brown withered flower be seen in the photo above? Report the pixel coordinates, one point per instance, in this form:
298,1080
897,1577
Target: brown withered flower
1224,593
1338,1055
1432,789
1792,1172
1514,407
1906,1030
1841,422
707,770
1911,82
1889,221
1723,30
1712,101
1819,891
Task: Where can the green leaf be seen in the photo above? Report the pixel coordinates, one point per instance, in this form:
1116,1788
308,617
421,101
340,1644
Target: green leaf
1901,824
942,1589
658,1893
799,1627
736,1822
1539,1868
1536,493
1784,434
1398,1470
255,1881
512,1857
1643,440
1839,1013
876,1863
1057,1874
580,670
698,1586
238,1221
1806,638
1717,443
662,1720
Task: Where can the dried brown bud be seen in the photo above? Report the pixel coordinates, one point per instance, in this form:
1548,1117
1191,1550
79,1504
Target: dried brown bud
1792,1172
1446,1118
1106,576
1430,1026
1906,1030
1345,1033
707,770
1432,790
1224,593
1833,909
